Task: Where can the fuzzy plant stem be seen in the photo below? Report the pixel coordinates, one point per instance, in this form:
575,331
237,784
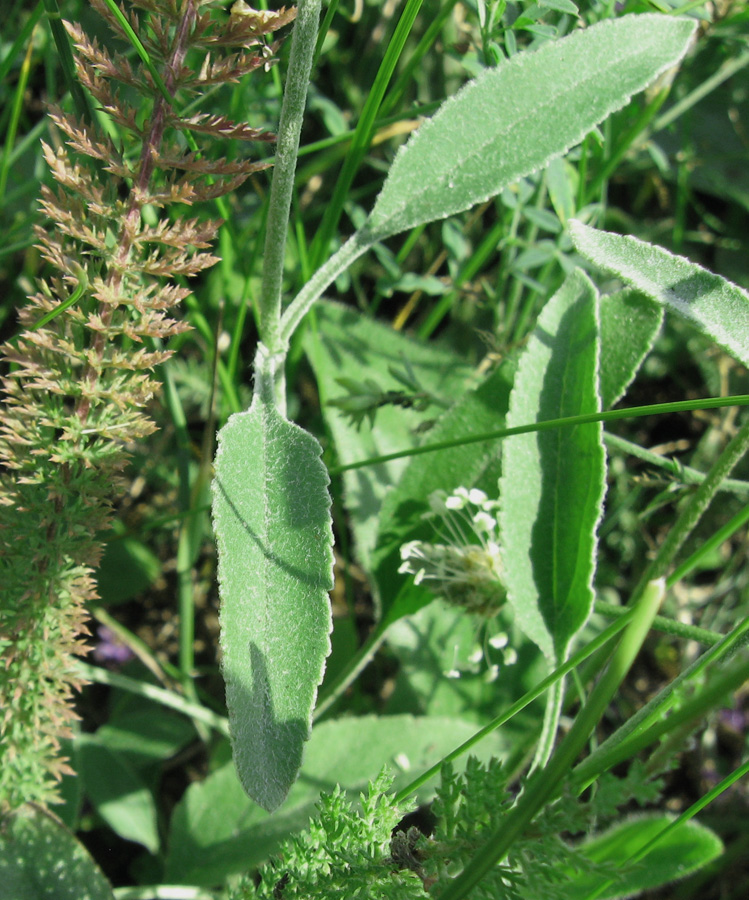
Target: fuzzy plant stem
287,147
695,507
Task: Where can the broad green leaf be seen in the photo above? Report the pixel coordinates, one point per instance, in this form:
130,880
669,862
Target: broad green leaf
217,831
342,342
686,848
272,520
552,482
715,306
629,326
118,792
480,410
41,860
513,119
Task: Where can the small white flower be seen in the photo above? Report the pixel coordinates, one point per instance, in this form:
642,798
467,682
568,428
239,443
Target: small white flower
477,497
511,656
466,569
484,522
499,641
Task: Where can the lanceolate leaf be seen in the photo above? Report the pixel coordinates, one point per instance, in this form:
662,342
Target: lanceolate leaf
717,307
513,119
272,520
552,482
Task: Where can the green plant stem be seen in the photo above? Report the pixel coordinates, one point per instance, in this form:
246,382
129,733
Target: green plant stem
351,671
73,298
723,534
363,134
610,415
324,28
62,42
695,507
729,68
287,146
638,731
396,93
323,277
664,624
685,474
23,35
624,143
166,698
547,783
15,115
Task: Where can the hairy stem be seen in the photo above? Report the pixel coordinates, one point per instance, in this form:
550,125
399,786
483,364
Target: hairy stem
287,147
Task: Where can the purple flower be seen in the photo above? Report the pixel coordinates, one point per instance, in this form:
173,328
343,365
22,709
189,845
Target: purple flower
110,649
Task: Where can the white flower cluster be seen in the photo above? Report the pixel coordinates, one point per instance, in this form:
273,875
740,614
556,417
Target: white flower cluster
466,566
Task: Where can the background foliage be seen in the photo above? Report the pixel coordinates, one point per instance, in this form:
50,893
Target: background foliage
156,799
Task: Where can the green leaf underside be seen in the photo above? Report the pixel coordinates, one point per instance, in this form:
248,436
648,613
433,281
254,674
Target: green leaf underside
629,326
682,851
272,520
714,305
513,119
40,859
552,483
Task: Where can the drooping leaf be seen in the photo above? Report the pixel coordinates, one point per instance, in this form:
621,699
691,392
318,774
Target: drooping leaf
514,118
552,483
683,850
717,307
271,511
629,326
41,860
217,831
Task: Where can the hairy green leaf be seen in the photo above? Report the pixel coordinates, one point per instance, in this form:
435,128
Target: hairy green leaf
272,520
717,307
513,119
629,326
552,482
